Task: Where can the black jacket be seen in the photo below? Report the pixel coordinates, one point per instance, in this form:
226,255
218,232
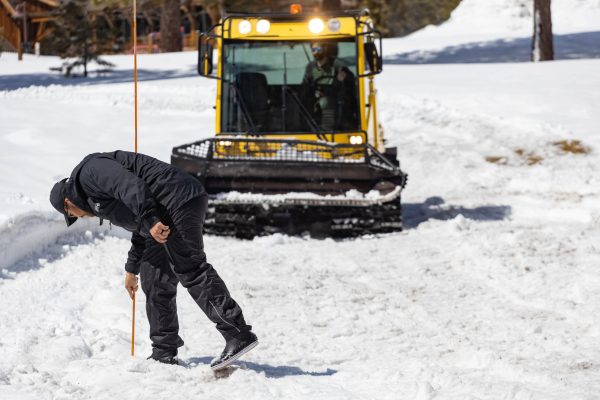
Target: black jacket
133,191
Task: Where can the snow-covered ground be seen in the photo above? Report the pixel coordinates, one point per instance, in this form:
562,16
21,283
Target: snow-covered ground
483,31
490,293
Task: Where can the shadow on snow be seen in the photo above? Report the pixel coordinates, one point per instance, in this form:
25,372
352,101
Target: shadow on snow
269,370
13,82
415,214
566,47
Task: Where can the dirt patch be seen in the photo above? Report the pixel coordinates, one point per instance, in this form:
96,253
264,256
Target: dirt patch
530,158
572,147
497,160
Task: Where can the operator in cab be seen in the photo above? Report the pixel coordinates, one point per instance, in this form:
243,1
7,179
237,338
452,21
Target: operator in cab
329,89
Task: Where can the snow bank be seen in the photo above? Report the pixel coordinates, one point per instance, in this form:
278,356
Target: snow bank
28,239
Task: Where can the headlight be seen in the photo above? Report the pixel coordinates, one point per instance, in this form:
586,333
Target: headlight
245,26
225,143
263,26
316,25
334,25
355,139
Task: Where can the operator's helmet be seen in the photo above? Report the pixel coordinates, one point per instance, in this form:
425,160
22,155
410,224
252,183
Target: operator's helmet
324,49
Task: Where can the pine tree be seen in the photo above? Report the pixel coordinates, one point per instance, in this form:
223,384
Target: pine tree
77,33
542,47
380,12
407,16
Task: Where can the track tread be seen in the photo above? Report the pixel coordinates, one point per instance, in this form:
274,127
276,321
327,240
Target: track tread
247,221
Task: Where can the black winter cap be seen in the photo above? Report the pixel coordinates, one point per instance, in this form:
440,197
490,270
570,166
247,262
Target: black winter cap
57,198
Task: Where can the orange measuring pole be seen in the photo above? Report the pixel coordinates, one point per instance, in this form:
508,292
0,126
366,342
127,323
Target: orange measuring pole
133,327
135,75
135,147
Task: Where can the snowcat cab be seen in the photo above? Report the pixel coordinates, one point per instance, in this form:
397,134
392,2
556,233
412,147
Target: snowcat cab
298,146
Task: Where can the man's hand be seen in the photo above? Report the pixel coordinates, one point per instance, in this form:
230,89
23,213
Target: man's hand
131,283
160,232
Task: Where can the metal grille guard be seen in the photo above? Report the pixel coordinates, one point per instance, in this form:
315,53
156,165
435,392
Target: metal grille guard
285,150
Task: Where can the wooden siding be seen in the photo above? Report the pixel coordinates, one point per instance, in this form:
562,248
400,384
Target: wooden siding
9,27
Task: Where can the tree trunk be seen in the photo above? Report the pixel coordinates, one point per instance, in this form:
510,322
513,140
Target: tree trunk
85,59
170,21
214,14
542,47
190,15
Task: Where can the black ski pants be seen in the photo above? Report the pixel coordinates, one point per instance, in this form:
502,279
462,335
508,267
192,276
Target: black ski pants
182,260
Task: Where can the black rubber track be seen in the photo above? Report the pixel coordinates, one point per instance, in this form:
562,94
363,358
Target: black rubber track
247,221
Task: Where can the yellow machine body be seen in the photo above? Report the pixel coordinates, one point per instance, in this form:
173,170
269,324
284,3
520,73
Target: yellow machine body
298,146
357,28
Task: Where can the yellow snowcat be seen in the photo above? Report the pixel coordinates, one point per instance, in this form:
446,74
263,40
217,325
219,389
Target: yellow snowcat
298,147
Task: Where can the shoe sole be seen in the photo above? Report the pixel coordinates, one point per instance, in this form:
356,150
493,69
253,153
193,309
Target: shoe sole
235,357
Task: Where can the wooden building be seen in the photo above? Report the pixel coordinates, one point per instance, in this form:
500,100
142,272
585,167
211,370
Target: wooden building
24,22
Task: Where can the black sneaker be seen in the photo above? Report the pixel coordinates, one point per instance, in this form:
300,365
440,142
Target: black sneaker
234,349
164,359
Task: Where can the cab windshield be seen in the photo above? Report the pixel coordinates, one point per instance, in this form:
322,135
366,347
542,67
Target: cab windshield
289,86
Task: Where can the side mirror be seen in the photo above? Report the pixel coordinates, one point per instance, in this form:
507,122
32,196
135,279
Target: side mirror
373,58
205,55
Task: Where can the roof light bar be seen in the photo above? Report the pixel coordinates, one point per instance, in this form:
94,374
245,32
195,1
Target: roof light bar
263,26
316,25
244,27
334,25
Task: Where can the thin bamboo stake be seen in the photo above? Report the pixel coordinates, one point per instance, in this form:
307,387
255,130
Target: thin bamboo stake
135,74
135,147
133,326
